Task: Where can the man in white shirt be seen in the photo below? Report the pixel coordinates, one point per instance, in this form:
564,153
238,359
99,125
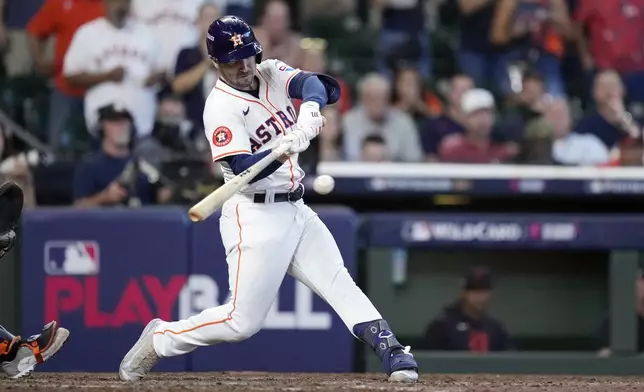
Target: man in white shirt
116,59
375,116
174,21
570,148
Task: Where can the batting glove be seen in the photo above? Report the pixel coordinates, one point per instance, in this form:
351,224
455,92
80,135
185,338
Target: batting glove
310,119
299,141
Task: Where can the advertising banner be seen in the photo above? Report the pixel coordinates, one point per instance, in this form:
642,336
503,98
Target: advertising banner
546,231
103,274
301,332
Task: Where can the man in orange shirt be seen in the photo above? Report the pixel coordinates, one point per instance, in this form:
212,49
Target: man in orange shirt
62,19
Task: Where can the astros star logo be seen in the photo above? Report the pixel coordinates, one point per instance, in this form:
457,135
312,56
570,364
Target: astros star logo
222,136
237,40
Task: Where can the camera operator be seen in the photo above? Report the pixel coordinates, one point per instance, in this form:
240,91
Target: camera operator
110,176
173,135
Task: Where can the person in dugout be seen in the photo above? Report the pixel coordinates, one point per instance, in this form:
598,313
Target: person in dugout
18,356
465,325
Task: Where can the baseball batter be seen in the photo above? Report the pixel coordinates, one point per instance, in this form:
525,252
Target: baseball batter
266,229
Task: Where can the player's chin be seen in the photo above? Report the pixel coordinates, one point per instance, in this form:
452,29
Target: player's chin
246,80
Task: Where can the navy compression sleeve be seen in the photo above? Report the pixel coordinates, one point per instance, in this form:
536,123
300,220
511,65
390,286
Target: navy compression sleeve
308,87
239,163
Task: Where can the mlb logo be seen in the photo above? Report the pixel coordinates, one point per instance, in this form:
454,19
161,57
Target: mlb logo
71,258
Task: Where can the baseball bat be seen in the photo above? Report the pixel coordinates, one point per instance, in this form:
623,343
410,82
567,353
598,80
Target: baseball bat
211,203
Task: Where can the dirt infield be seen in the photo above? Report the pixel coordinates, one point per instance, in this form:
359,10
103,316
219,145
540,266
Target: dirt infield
317,382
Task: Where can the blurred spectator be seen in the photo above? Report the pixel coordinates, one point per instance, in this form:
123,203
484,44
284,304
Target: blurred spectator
410,96
107,177
476,145
60,19
536,143
571,148
465,325
530,102
330,139
610,122
15,166
195,73
173,24
374,149
314,59
326,9
604,329
533,31
451,122
526,107
403,36
477,56
240,8
275,35
173,134
14,39
115,58
628,152
374,115
614,40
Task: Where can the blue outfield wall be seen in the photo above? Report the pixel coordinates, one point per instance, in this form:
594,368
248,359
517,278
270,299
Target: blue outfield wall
105,273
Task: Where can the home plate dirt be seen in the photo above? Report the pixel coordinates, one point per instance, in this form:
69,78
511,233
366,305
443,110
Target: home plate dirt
317,382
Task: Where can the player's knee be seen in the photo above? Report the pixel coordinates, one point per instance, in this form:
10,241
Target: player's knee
245,331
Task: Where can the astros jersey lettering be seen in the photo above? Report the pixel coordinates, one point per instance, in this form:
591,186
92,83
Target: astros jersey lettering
238,123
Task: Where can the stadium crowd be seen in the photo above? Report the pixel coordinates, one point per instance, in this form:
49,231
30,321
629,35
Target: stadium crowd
557,82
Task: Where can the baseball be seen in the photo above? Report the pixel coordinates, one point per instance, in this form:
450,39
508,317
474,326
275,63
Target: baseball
323,184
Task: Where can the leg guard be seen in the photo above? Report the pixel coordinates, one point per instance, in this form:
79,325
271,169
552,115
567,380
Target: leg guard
8,345
383,342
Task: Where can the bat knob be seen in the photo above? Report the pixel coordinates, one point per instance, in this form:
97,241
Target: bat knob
194,216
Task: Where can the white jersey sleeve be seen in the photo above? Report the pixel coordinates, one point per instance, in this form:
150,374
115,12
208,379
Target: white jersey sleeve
279,73
225,130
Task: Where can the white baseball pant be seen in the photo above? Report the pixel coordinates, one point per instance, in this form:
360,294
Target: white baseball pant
263,242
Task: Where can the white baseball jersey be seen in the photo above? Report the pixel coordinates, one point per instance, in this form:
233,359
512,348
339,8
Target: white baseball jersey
173,21
99,47
236,122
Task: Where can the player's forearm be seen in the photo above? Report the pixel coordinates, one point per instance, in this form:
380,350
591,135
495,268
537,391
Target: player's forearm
37,49
188,80
86,80
317,88
313,90
241,162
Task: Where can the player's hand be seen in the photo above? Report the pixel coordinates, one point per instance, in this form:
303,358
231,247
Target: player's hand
310,119
114,193
299,141
115,75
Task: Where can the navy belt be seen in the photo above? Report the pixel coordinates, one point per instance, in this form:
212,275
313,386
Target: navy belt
281,197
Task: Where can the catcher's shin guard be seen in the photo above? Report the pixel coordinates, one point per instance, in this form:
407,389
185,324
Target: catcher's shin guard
8,345
11,203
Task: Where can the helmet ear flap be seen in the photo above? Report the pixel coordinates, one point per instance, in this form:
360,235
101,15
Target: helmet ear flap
258,58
